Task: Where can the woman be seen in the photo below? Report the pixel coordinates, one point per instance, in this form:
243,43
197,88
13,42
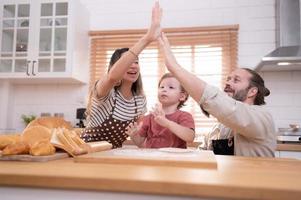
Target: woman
117,99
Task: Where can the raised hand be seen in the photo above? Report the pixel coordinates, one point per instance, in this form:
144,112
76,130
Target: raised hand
154,30
169,58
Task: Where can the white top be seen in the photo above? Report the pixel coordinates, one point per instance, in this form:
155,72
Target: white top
251,125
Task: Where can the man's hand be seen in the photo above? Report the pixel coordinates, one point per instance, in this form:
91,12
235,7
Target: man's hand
169,58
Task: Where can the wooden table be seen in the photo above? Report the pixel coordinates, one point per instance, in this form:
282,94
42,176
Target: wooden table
235,178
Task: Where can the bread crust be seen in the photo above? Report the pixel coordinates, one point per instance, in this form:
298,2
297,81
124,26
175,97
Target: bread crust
35,134
42,148
50,122
16,149
6,140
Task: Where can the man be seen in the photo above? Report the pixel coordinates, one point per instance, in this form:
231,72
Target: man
237,109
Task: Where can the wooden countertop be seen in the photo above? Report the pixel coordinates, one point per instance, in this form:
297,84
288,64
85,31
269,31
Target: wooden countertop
280,146
288,147
235,178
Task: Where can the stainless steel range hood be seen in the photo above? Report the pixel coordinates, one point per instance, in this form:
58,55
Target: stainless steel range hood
288,39
281,59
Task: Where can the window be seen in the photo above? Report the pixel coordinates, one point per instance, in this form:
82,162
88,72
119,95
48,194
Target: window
208,52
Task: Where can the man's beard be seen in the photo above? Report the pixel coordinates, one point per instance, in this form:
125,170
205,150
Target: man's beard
241,95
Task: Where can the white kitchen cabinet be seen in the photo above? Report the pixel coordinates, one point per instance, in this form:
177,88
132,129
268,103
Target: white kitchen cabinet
44,41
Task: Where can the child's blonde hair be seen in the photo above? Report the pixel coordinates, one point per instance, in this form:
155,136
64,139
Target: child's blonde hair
170,75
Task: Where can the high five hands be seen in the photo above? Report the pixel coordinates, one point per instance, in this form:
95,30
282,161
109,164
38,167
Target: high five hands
154,31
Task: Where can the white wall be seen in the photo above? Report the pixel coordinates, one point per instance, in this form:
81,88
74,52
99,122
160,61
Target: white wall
5,105
54,98
256,19
284,101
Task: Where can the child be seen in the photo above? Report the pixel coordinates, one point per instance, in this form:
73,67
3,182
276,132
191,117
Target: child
166,126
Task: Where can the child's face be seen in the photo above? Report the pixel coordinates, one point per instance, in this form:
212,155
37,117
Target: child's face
169,92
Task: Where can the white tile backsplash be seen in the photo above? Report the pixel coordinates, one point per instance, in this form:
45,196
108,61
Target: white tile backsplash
249,60
279,76
296,76
224,4
249,49
297,100
257,24
255,2
284,101
280,99
57,98
288,86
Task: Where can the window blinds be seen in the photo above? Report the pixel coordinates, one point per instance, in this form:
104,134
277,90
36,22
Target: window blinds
208,52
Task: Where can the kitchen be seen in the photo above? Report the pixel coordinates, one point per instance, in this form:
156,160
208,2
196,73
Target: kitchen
257,38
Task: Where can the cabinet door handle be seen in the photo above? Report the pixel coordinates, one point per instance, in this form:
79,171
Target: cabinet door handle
27,68
32,69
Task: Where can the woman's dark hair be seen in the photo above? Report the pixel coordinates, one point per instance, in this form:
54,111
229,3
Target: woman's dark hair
137,87
170,75
115,56
258,82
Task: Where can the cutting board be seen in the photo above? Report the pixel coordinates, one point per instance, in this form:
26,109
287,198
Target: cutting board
30,158
159,157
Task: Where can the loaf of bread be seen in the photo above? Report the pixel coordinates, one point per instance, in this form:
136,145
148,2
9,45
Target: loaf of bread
36,134
16,148
36,137
67,140
50,122
42,148
6,140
